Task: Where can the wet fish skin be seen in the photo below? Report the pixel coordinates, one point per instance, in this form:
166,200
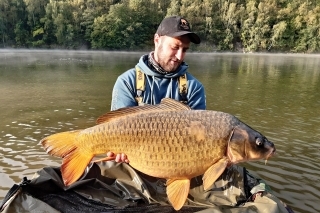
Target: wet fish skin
161,147
167,141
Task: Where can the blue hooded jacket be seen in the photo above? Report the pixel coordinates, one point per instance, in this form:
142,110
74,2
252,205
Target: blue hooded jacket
157,87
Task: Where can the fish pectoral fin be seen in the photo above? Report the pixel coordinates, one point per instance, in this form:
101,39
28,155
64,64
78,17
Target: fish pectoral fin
177,191
214,172
104,159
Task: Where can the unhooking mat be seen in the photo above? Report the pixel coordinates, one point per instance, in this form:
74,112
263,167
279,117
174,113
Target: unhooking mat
117,187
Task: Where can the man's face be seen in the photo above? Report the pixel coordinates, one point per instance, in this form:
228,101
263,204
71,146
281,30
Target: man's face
170,52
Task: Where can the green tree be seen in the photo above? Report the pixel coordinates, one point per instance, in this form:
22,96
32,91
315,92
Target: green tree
221,21
4,23
9,17
194,11
61,16
213,29
36,12
22,35
256,26
48,32
129,25
93,9
263,25
283,31
277,40
307,24
174,8
229,16
21,29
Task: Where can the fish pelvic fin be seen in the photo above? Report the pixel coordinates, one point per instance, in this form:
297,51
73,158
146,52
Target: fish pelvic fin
177,191
167,104
214,172
74,160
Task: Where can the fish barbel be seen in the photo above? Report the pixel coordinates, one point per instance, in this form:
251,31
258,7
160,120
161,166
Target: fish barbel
168,140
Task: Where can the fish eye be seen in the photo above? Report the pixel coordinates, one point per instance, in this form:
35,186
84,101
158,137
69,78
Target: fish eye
259,142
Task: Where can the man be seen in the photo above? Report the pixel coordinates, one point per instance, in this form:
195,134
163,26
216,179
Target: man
162,68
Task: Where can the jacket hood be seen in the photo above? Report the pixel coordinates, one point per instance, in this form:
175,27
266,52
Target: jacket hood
143,61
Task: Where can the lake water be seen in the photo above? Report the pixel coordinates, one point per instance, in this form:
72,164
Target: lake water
43,92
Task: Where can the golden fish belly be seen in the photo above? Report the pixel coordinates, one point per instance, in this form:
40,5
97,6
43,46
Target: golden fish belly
164,144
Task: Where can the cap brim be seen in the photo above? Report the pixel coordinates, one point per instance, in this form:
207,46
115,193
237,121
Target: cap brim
194,38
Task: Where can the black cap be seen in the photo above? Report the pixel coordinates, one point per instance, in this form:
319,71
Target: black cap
175,26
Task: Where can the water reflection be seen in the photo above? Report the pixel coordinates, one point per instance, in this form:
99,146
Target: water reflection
46,92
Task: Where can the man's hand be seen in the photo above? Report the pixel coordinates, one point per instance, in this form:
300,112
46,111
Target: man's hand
120,158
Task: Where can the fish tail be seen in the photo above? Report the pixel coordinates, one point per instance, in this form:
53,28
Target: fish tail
66,146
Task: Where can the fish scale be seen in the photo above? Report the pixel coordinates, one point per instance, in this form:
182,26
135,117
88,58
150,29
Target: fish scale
125,135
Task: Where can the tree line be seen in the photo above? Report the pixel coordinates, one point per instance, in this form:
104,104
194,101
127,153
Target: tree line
223,25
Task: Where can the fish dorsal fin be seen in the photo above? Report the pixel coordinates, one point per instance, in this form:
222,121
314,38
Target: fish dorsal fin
214,172
167,104
177,191
171,104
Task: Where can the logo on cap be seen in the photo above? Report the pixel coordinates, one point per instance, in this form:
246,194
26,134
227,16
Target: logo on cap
184,25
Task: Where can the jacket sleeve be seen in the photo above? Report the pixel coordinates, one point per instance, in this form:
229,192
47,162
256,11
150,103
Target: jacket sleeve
196,94
123,93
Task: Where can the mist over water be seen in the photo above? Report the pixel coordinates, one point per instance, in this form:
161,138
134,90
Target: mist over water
44,92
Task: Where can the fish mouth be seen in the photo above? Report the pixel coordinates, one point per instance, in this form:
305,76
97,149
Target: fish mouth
270,154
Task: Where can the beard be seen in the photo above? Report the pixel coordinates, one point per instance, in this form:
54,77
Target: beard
166,62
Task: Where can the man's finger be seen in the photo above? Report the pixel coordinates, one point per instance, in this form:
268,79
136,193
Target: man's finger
110,154
118,158
123,157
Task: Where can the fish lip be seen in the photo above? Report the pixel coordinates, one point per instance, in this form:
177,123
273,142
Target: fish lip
272,148
271,153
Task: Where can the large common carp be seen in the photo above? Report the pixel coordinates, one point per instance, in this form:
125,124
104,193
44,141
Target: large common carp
168,140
